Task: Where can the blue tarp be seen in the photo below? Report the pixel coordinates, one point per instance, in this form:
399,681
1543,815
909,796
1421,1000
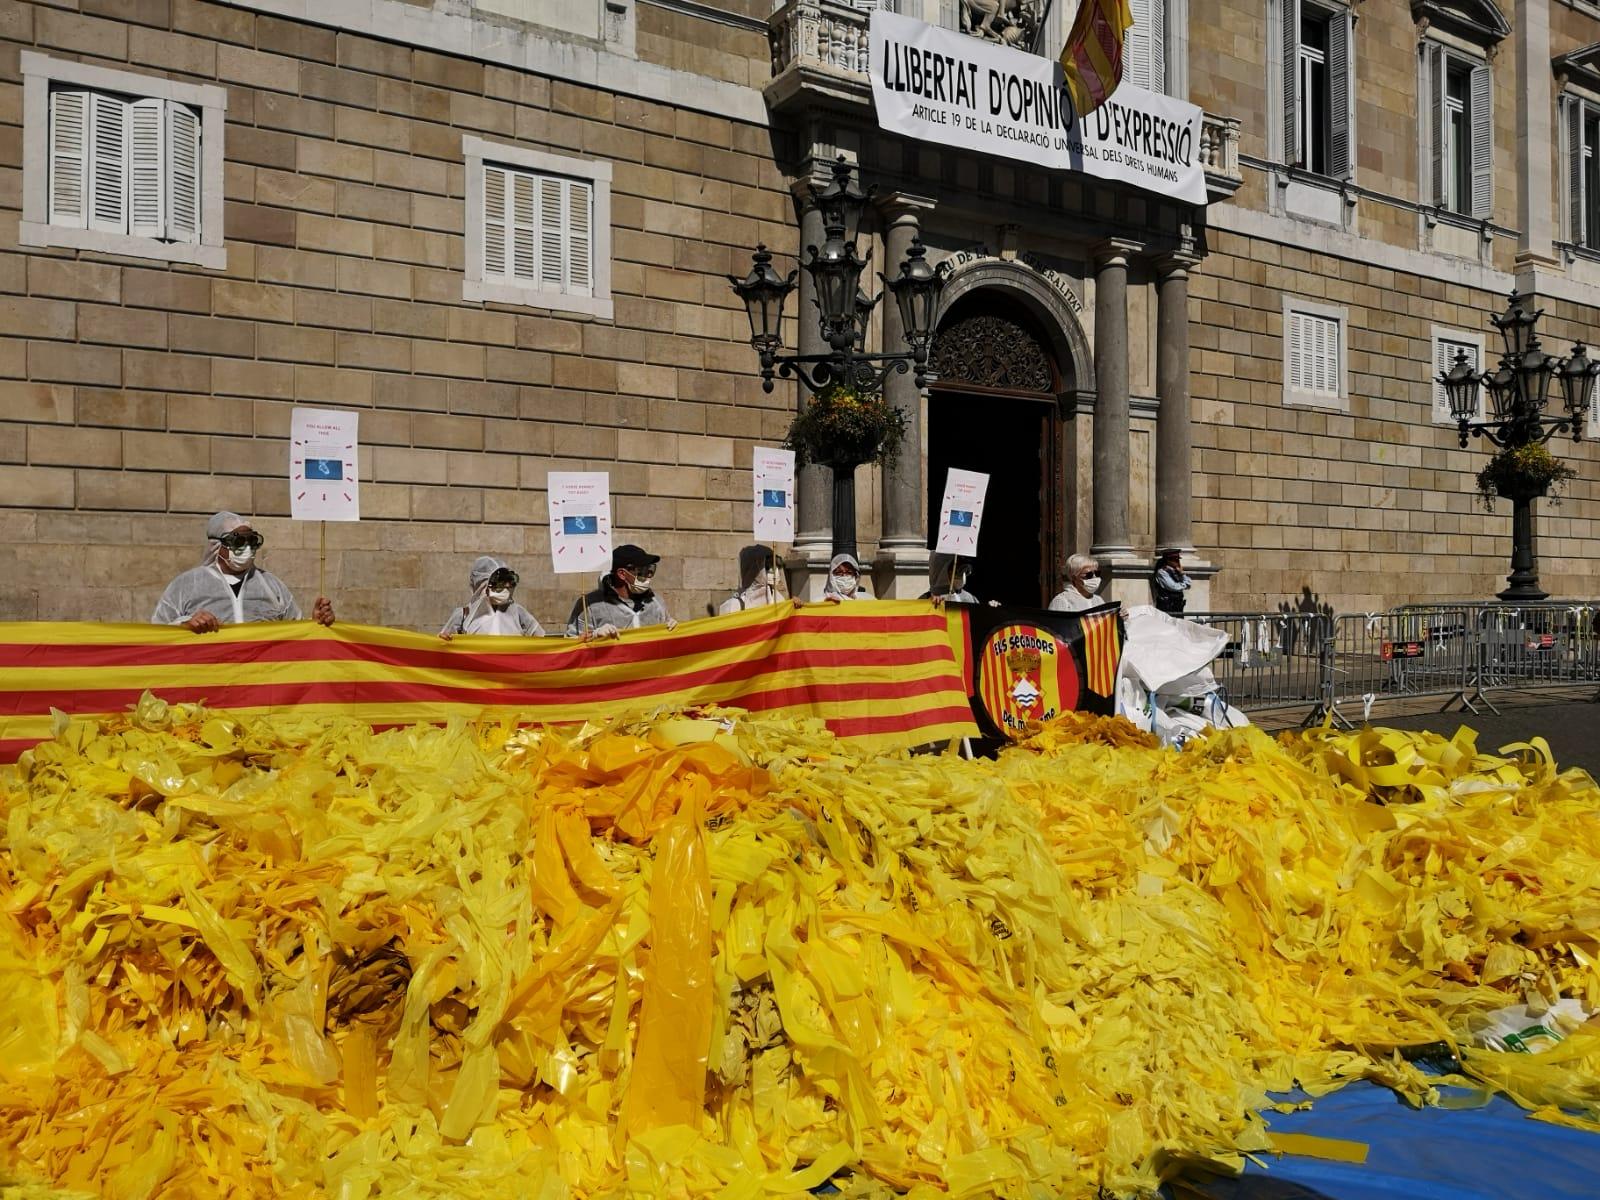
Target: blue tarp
1489,1153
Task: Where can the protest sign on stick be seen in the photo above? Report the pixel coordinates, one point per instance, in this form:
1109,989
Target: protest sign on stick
961,512
322,474
580,521
772,473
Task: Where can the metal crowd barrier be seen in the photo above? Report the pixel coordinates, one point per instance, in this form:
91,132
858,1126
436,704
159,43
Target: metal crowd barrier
1271,660
1340,665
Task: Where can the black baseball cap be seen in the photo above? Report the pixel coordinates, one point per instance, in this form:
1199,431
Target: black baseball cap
631,558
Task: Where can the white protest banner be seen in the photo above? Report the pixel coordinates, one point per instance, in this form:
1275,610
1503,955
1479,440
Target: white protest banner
580,521
961,512
322,465
942,86
773,472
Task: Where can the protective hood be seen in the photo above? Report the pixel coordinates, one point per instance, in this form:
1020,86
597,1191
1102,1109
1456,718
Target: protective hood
220,523
752,561
940,567
830,586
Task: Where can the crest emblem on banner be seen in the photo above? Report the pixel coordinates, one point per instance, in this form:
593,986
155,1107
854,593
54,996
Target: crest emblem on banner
1027,675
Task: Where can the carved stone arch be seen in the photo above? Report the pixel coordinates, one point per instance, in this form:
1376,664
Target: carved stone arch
1060,325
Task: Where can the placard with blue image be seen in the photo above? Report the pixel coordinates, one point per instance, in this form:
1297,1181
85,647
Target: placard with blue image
580,525
324,468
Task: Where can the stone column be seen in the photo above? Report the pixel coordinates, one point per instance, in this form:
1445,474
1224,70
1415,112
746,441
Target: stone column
1111,449
1535,136
813,536
901,566
1174,468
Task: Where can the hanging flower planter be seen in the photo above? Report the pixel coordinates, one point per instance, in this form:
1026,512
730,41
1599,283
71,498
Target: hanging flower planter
844,429
1526,472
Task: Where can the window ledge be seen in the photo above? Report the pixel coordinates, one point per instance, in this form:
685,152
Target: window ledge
1315,400
483,291
37,233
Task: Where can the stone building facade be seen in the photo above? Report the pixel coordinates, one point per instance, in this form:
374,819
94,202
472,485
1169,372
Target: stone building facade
319,238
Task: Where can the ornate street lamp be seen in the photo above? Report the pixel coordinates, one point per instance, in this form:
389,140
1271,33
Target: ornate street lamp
843,313
1519,391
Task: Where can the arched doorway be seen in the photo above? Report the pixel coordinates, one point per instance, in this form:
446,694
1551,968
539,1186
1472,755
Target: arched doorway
996,408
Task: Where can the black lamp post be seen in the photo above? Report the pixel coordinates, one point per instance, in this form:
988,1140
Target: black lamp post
843,311
1518,392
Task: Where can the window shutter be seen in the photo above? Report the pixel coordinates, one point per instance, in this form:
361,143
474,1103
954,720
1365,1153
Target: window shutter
1575,205
524,228
108,163
1296,353
69,158
146,193
580,241
1293,152
1339,59
1434,75
1444,357
1158,45
552,234
1481,97
1136,45
183,174
494,221
949,14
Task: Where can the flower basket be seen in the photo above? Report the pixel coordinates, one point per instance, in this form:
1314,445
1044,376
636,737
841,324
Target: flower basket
1523,473
844,429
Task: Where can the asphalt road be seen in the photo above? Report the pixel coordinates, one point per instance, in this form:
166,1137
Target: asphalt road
1571,727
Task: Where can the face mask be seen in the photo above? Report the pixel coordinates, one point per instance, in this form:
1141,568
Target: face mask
769,579
241,558
1091,584
500,597
845,585
638,587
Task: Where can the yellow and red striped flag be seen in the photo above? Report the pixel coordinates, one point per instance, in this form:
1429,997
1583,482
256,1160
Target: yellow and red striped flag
880,673
1102,651
1092,57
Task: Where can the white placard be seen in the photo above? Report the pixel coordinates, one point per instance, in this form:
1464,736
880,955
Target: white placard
322,465
773,471
942,86
580,521
961,512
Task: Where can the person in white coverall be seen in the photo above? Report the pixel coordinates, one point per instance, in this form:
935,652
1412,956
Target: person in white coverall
758,581
491,609
227,588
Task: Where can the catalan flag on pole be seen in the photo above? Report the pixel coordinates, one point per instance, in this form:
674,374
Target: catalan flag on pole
880,673
1102,650
1092,57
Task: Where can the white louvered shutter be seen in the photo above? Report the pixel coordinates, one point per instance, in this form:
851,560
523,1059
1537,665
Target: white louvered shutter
1136,45
1340,139
183,174
1574,134
1293,152
494,221
1481,94
146,183
1433,74
1297,353
524,228
580,238
69,158
949,14
1158,45
108,163
552,234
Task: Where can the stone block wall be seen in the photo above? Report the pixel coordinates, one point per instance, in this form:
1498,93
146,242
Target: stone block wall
1374,504
137,397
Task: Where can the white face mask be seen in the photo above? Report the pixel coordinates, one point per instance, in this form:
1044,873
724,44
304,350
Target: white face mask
1091,584
768,579
638,587
241,558
500,597
845,585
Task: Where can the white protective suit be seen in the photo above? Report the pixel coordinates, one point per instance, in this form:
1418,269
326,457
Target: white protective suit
262,596
758,581
480,616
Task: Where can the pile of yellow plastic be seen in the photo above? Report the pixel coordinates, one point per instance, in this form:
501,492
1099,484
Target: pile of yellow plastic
678,958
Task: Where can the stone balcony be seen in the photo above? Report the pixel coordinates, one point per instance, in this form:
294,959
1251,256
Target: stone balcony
819,57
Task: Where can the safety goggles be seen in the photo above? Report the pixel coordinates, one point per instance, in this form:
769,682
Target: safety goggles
642,574
505,577
238,541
